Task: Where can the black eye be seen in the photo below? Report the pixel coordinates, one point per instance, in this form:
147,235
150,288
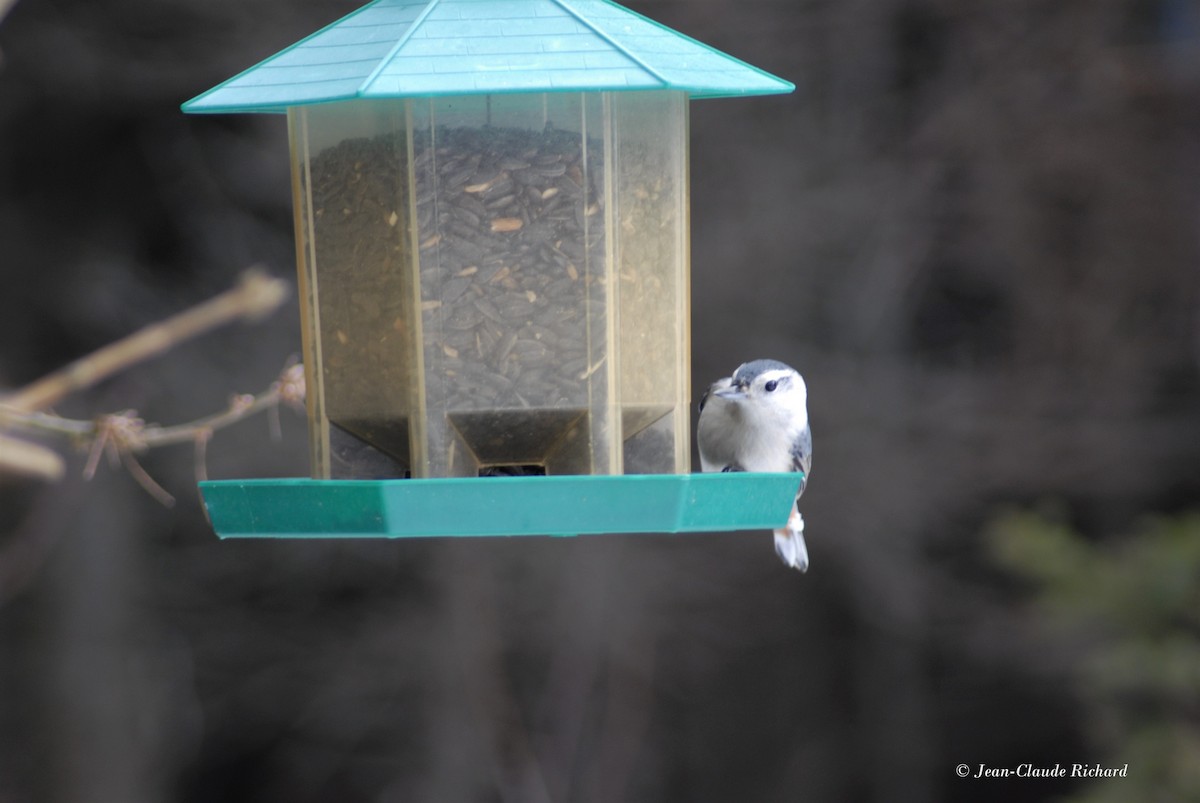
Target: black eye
770,386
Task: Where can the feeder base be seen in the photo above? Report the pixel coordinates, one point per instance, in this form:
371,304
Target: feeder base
555,505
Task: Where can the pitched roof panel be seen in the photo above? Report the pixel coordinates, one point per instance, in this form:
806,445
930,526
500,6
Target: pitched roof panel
407,48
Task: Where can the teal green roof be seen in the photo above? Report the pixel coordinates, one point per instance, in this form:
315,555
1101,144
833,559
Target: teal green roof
402,48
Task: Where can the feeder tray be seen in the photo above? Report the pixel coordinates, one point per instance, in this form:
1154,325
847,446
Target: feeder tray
563,506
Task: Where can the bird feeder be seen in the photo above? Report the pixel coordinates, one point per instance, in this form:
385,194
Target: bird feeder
491,215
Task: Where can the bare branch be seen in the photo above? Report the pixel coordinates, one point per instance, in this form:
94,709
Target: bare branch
5,7
123,435
288,388
256,295
29,459
143,478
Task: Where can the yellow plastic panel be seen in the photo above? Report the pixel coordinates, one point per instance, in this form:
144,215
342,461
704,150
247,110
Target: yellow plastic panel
495,284
650,223
512,281
353,190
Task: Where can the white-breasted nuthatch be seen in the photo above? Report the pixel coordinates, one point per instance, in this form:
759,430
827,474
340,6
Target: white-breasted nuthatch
757,420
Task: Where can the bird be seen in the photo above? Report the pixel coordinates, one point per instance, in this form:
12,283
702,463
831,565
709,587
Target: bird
757,420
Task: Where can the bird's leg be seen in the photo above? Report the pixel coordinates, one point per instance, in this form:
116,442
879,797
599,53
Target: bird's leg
795,522
789,542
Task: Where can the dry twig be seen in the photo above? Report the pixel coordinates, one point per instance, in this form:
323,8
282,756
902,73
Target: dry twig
256,295
121,436
5,7
29,459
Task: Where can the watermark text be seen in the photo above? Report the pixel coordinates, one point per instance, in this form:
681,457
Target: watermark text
1035,771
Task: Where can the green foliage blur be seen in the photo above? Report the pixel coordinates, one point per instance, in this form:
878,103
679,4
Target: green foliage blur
1124,617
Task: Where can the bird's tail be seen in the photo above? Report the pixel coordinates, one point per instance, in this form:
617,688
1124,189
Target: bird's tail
789,542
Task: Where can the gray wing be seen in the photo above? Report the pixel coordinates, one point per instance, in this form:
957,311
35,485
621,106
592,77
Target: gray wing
802,457
716,441
720,384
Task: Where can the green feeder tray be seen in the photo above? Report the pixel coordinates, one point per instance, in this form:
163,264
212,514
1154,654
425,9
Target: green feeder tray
561,505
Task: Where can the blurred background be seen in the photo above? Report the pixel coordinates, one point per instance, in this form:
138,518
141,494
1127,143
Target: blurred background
973,227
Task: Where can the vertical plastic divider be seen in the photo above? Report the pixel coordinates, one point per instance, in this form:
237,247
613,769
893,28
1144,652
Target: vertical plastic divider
306,273
649,230
612,301
683,286
418,407
600,372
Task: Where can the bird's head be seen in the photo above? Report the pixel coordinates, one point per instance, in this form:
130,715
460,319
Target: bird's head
768,389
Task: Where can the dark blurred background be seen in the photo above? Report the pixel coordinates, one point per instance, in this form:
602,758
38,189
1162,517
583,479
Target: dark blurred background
973,227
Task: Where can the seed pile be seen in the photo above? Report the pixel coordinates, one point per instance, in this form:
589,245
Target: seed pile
513,222
506,227
508,222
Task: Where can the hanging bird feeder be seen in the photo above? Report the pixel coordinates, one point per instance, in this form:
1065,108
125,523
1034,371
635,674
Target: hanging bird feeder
491,212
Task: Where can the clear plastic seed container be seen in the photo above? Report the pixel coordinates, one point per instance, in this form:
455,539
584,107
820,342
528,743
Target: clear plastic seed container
495,284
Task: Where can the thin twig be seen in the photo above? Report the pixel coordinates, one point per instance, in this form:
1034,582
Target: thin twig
133,433
200,455
29,460
143,478
256,295
5,7
121,436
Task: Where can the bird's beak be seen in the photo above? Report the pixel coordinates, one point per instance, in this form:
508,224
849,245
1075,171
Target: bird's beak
734,394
